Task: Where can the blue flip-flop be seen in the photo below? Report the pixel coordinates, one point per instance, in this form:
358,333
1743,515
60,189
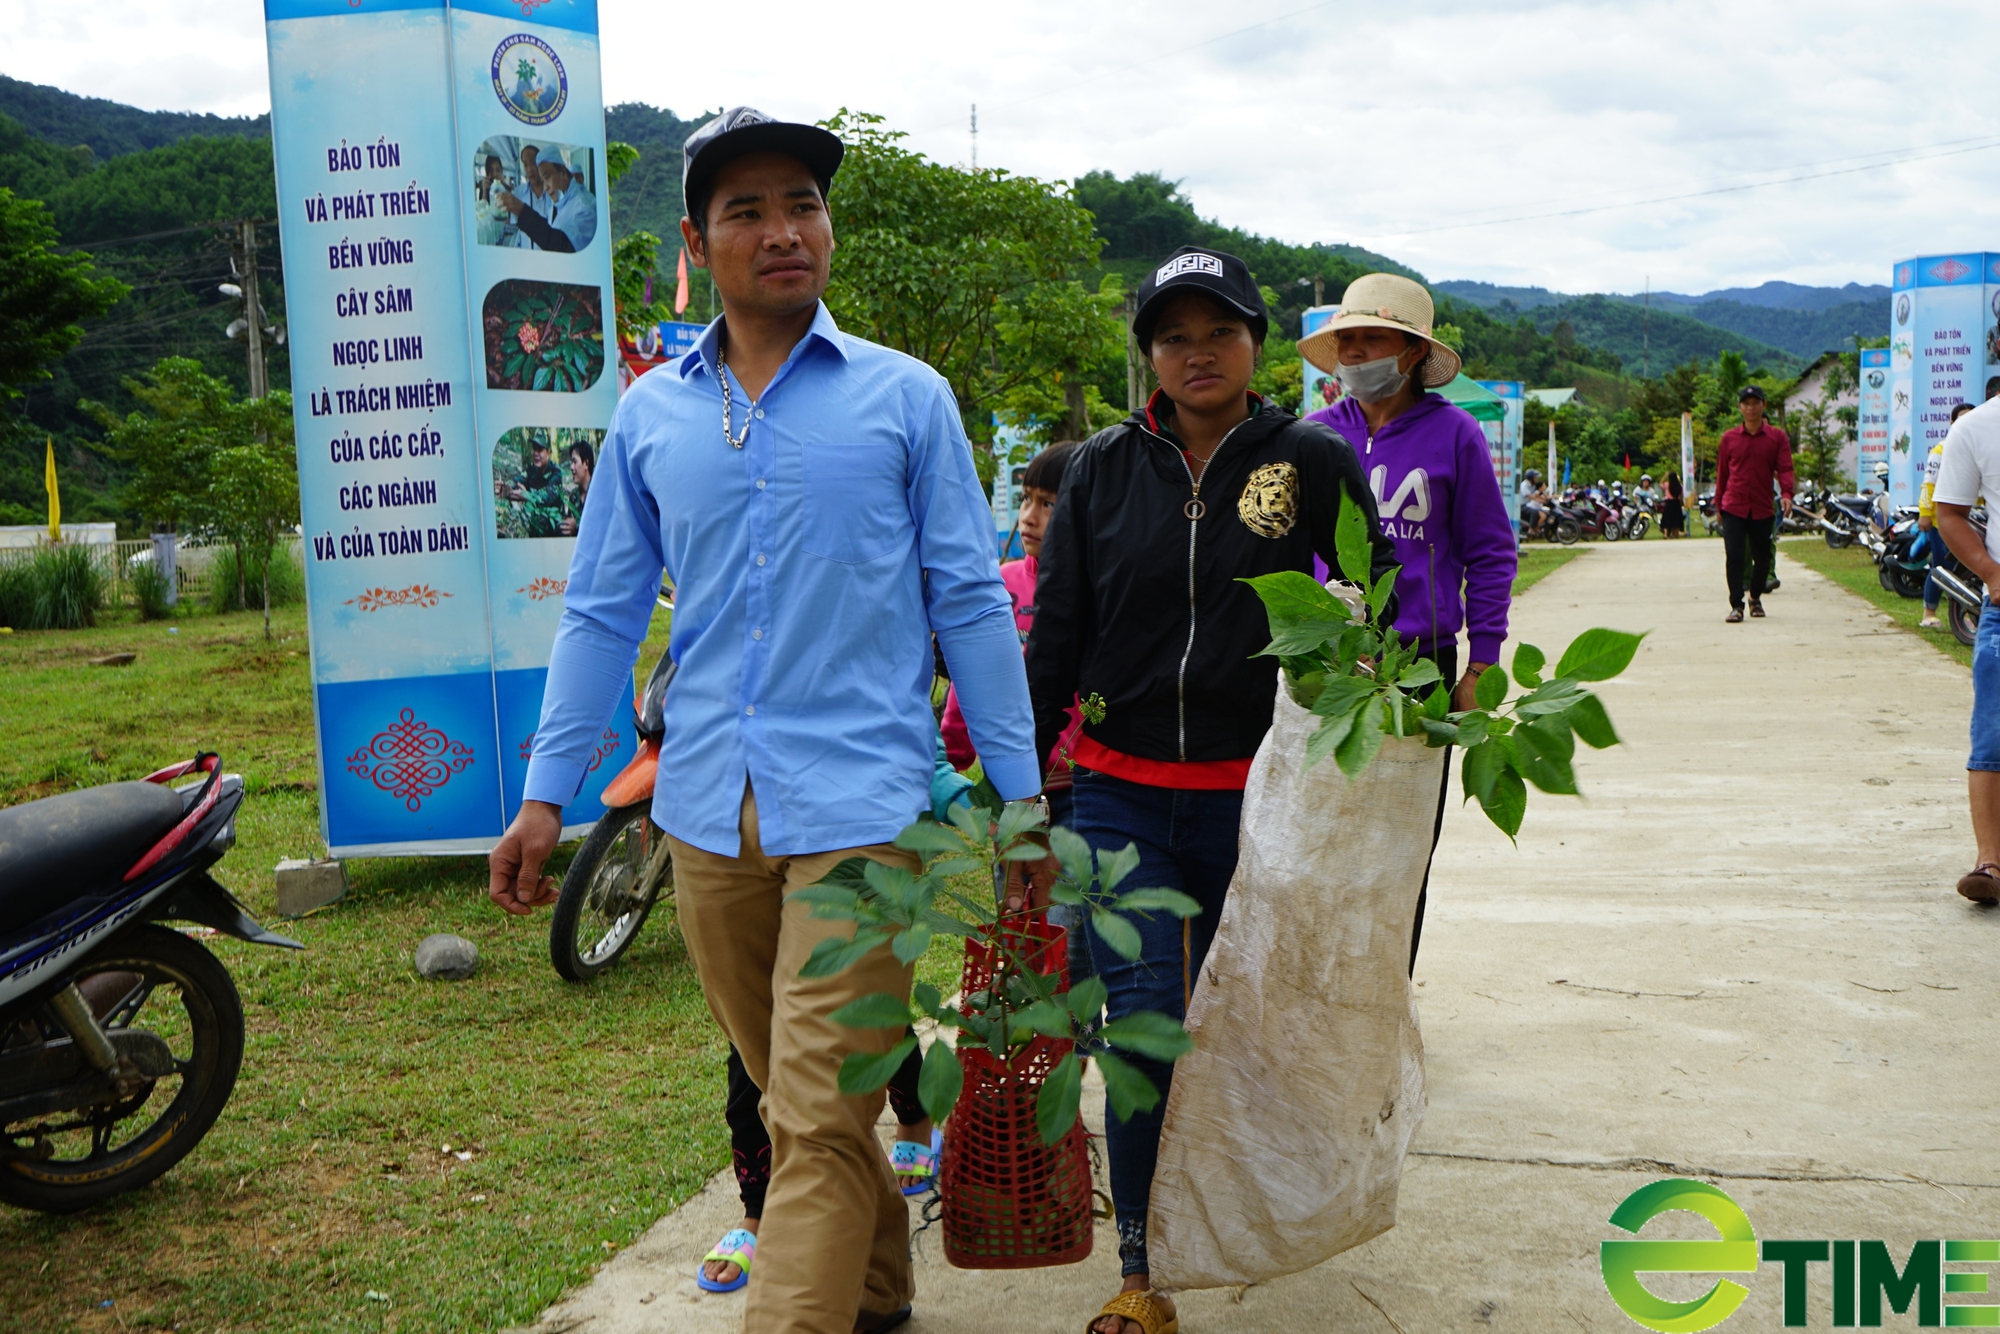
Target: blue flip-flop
737,1247
917,1167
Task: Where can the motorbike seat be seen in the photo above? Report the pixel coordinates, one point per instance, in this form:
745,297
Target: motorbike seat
57,848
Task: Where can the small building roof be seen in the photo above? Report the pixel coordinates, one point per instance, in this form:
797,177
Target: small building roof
1555,398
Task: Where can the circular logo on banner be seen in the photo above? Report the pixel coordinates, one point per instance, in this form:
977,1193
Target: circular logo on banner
528,79
1902,310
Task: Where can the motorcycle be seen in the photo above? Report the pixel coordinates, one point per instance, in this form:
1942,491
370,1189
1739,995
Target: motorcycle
1897,568
120,1038
1554,524
1710,519
1964,592
1636,518
1842,518
618,873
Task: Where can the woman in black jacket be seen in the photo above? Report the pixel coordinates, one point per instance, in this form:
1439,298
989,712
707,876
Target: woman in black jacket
1139,609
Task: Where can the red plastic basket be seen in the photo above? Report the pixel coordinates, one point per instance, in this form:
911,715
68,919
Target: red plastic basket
1010,1201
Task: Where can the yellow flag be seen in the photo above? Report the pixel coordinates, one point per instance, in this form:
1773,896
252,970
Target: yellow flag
55,493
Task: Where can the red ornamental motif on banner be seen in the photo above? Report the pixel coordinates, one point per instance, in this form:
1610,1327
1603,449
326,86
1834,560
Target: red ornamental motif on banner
544,588
416,595
410,760
1950,271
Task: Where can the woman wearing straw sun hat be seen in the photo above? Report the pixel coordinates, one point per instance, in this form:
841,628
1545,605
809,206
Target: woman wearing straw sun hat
1427,462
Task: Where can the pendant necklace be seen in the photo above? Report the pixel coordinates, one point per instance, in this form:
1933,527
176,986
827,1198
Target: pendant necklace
736,440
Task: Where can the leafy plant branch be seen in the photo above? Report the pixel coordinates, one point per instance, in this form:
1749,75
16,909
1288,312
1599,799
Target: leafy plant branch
907,912
1365,685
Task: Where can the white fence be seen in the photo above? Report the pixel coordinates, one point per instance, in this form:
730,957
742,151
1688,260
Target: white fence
194,565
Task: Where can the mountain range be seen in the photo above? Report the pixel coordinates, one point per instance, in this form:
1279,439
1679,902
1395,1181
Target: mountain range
1792,319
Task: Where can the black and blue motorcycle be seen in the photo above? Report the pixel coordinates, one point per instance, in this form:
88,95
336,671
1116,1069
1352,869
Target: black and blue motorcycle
120,1037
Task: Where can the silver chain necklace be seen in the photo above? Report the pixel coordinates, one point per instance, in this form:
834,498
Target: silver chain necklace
728,407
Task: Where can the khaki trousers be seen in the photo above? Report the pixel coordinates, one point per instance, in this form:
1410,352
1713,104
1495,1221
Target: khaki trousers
835,1237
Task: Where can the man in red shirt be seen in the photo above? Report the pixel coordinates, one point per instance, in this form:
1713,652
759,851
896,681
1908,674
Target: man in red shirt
1749,457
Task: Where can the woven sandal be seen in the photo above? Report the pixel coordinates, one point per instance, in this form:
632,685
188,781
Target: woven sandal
1143,1309
1982,883
737,1247
1735,615
916,1166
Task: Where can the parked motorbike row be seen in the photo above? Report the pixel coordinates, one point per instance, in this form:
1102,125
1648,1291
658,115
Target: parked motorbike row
1891,537
1579,513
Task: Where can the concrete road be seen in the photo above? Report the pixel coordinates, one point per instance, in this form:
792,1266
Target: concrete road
1739,958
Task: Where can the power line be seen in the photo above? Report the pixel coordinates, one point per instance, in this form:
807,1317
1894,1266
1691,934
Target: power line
1691,194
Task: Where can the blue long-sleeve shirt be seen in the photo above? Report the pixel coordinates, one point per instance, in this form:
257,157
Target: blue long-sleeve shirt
810,568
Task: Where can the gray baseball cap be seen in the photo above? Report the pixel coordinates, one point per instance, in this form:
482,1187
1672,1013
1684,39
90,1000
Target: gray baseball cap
742,130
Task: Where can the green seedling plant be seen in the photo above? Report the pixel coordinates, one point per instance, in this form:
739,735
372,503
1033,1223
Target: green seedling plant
909,912
1366,685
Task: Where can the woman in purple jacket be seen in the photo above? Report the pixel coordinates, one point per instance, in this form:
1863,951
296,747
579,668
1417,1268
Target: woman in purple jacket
1427,462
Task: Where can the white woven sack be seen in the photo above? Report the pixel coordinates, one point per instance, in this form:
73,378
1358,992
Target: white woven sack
1288,1122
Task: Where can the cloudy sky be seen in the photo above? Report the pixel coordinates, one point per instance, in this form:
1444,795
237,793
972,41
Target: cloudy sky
1468,140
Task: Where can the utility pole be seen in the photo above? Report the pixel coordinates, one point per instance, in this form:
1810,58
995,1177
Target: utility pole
1646,335
253,307
975,136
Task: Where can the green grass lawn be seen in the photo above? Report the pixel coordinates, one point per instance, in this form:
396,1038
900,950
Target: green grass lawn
1853,570
323,1199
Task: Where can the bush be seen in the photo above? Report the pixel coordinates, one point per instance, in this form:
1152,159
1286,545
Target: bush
58,588
288,581
151,586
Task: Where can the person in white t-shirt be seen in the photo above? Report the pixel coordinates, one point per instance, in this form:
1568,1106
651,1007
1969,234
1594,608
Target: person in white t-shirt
1970,471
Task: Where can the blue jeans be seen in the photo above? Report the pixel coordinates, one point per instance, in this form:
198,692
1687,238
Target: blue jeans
1186,841
1985,755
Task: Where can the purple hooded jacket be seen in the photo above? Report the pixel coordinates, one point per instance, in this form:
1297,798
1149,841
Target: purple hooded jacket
1433,481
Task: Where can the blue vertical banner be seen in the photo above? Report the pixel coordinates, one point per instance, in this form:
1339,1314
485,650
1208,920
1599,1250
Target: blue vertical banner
1503,443
422,649
1903,323
1947,359
1872,422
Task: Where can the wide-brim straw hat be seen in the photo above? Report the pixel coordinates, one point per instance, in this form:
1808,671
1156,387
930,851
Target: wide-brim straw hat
1383,301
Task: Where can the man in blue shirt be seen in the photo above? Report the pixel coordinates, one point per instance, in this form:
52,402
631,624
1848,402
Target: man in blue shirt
813,499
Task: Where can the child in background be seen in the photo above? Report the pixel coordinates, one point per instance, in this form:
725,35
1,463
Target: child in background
1039,487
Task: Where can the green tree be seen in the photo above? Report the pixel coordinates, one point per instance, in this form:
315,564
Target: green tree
634,258
43,295
979,274
169,444
252,498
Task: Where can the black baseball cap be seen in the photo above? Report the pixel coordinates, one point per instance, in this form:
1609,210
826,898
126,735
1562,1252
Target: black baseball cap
1222,276
742,130
1755,391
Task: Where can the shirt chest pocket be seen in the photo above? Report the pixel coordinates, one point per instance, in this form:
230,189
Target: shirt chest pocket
855,506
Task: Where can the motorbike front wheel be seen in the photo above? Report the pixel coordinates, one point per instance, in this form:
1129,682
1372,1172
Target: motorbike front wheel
1836,538
1567,532
608,892
1640,523
1964,621
1614,531
1908,583
151,980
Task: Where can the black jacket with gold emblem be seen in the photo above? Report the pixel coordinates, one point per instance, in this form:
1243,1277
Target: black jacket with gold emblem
1137,599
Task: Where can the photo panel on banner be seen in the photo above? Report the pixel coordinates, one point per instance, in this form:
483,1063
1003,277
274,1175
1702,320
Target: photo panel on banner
427,636
1871,423
544,332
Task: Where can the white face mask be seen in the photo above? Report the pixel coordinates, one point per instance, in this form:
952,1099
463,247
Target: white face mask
1373,381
